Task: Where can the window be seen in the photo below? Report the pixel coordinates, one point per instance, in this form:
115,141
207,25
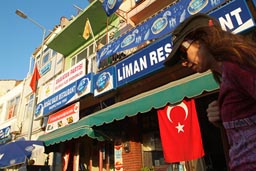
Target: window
89,53
29,106
77,58
45,58
12,107
81,55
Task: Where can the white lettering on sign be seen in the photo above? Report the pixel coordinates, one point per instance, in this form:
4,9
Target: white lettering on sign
143,63
215,2
227,21
159,55
132,68
70,76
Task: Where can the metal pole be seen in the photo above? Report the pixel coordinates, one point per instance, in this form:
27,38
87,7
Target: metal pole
24,16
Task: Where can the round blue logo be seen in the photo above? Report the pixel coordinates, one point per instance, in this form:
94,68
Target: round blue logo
111,4
196,5
82,85
128,40
102,81
159,25
39,109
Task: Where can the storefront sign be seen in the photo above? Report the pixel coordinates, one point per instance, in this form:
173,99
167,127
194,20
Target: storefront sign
63,117
118,157
143,62
73,74
5,132
73,91
157,26
104,81
235,16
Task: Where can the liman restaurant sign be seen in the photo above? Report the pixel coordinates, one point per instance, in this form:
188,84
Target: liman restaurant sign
235,16
143,62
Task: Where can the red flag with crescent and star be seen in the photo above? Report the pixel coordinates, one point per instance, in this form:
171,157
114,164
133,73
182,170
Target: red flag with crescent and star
180,132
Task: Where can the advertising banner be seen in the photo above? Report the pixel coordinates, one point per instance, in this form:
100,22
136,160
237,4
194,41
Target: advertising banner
73,91
63,117
73,74
118,157
5,132
157,26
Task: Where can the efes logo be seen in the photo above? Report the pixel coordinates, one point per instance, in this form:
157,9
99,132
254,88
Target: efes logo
39,110
159,25
82,85
196,5
104,51
102,81
128,40
111,4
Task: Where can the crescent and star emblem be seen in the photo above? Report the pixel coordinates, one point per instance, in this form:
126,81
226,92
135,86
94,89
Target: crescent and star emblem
168,114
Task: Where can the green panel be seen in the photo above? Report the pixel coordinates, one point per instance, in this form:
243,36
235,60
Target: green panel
172,93
70,38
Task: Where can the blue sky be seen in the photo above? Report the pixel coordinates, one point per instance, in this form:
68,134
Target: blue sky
20,37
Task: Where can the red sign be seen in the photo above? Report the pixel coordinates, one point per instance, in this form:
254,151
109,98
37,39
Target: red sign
63,117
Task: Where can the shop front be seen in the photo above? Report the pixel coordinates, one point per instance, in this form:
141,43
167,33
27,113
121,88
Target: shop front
126,134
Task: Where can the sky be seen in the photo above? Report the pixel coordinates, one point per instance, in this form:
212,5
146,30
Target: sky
20,37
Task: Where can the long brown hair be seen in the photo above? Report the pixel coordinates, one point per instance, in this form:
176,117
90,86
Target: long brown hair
226,46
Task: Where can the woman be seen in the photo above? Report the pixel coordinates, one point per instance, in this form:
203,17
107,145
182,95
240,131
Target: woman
201,44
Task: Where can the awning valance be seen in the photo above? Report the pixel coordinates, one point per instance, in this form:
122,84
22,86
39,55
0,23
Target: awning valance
69,132
173,92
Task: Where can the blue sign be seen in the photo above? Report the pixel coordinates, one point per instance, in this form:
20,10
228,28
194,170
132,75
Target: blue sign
5,132
234,16
254,2
65,96
110,6
143,62
45,68
104,81
158,26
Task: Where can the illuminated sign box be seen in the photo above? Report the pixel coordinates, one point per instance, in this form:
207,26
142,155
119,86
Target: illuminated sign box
104,81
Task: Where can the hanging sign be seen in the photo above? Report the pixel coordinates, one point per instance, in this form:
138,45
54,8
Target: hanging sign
104,81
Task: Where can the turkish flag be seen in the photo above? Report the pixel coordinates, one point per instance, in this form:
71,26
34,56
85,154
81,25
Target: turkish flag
34,79
180,132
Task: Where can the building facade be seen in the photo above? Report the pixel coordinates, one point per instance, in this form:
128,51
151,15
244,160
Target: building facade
100,89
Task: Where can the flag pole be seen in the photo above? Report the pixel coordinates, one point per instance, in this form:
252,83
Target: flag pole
33,113
92,33
37,75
